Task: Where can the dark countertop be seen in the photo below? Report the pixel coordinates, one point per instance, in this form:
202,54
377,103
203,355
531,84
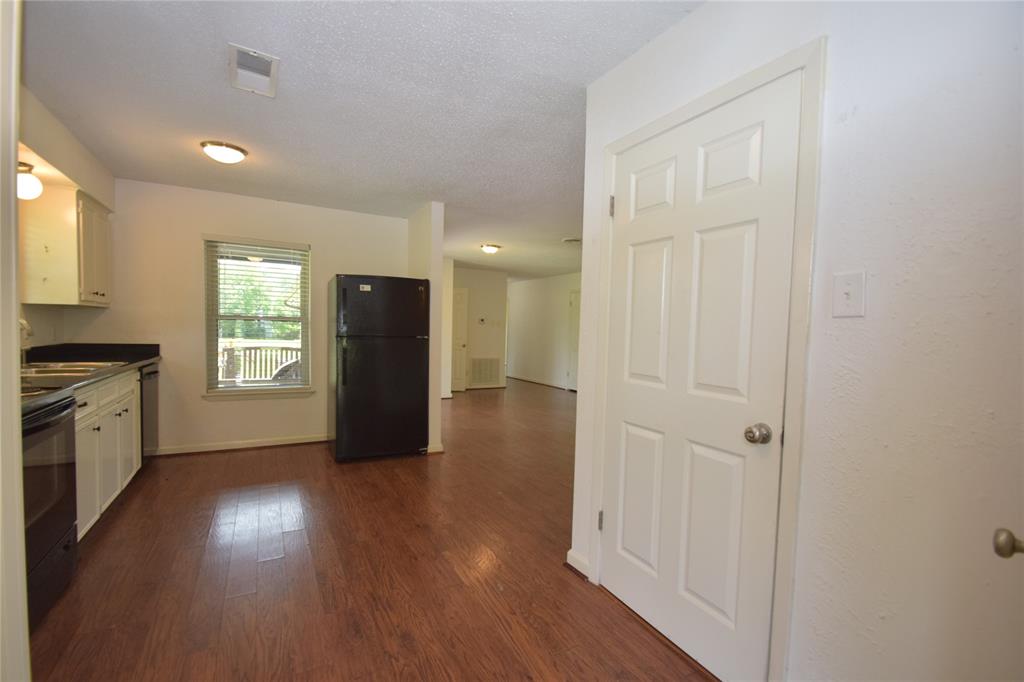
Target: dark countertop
93,352
133,355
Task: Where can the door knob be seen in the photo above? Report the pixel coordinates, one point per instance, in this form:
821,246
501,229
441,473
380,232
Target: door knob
758,433
1006,544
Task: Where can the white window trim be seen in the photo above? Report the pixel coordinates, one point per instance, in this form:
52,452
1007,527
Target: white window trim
250,392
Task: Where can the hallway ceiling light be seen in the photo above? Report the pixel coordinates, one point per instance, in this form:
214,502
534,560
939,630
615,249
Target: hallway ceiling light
29,186
224,152
489,248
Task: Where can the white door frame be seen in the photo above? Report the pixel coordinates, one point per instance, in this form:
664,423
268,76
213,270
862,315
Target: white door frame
14,638
574,350
810,61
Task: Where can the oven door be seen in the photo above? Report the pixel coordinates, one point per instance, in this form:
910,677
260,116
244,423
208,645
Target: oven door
48,452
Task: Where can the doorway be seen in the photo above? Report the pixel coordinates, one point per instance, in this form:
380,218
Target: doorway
708,268
460,314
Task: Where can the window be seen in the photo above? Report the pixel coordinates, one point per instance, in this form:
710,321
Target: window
257,315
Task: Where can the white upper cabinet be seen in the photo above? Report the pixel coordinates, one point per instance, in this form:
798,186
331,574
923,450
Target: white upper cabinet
65,249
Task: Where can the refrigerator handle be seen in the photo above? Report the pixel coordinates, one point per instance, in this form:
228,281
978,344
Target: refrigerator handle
344,364
344,305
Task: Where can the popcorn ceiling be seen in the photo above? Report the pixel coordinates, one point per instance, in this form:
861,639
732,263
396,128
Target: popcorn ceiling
380,106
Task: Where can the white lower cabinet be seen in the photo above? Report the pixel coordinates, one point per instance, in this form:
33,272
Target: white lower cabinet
110,461
129,437
108,447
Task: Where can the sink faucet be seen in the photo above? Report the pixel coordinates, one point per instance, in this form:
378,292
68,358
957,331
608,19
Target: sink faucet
26,334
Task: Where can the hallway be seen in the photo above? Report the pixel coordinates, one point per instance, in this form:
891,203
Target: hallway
277,563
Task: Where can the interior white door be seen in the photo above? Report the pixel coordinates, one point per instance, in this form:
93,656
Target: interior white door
701,265
574,340
460,336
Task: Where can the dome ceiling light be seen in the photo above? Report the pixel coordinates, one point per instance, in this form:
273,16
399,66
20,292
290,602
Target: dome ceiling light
490,248
29,186
223,152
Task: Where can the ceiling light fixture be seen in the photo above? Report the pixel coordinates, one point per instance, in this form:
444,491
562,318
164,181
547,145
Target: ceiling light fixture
223,152
489,248
29,186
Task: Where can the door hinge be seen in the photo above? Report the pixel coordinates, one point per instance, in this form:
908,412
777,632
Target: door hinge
611,206
600,520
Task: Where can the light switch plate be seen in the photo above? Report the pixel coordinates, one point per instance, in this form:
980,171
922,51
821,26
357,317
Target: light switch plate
848,294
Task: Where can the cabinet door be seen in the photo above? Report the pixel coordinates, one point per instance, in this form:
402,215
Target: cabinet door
94,251
87,290
127,437
87,447
102,256
110,464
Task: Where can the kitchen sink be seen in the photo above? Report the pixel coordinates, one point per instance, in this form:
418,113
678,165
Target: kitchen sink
60,374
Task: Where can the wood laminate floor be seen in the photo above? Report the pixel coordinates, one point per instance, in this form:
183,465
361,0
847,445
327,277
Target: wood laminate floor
277,563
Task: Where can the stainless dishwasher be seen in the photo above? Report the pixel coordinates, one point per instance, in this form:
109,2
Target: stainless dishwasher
149,378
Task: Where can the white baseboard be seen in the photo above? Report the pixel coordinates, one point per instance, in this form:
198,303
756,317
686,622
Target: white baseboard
579,562
538,381
436,447
477,386
238,444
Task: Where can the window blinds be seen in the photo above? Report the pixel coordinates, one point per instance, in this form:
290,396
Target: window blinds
257,315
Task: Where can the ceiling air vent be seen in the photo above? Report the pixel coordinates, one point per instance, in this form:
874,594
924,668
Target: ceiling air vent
253,71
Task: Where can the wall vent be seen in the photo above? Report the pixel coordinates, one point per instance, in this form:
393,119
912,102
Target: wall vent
252,71
485,372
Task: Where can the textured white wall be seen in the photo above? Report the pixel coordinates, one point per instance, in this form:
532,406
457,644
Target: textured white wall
538,329
158,298
47,324
913,450
488,291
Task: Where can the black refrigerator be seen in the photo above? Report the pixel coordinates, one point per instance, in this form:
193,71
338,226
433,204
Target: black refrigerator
379,365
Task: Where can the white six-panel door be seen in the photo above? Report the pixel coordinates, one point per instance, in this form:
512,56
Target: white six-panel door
701,260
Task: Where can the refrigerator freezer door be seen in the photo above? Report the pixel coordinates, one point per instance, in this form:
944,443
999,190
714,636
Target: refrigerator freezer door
382,306
382,391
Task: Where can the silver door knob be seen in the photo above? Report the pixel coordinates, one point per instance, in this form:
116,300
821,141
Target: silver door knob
758,433
1006,544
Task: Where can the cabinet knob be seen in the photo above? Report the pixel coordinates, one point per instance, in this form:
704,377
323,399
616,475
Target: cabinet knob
96,428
